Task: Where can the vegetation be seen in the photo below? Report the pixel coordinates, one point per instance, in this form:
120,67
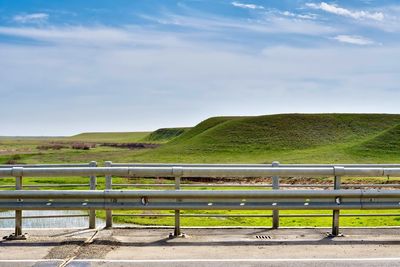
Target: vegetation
52,146
387,141
124,137
354,221
287,138
164,135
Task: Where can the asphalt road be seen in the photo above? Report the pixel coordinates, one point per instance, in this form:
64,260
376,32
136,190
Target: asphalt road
203,247
351,262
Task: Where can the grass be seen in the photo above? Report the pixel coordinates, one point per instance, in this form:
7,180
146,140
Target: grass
288,138
165,135
356,221
117,137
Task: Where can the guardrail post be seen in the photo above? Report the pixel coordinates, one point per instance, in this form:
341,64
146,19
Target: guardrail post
17,172
18,213
275,186
177,171
338,171
109,217
93,183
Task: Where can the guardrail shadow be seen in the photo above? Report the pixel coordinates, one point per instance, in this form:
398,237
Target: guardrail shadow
194,242
166,242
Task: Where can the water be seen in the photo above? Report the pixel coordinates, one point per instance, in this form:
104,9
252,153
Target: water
48,222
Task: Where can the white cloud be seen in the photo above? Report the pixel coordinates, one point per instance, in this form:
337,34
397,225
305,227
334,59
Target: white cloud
334,9
300,16
149,87
271,23
91,36
249,6
67,34
31,18
353,39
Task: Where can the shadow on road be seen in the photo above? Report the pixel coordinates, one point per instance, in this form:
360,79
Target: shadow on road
188,243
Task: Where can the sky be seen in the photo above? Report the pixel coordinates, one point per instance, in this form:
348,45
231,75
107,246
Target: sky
134,65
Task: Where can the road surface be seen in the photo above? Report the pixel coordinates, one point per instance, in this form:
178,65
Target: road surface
202,247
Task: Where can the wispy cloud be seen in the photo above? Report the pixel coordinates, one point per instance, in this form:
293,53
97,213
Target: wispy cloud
31,18
353,39
93,36
248,6
271,23
300,16
355,14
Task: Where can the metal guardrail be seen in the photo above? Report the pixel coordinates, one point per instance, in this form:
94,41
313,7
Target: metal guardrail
19,185
47,165
200,172
275,163
177,199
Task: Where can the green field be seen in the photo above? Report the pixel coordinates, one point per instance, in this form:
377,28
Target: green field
288,138
117,137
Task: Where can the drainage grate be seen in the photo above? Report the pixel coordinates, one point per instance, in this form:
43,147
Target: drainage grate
263,237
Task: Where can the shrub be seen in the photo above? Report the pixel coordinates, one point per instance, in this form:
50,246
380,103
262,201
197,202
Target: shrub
14,159
52,146
83,146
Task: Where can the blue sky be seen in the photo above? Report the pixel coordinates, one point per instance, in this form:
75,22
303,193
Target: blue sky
127,65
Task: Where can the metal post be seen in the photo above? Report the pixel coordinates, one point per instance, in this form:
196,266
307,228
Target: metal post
177,230
336,213
17,235
18,213
275,186
109,218
177,171
93,183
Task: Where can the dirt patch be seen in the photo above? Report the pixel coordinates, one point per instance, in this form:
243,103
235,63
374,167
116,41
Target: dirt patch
98,249
95,246
65,249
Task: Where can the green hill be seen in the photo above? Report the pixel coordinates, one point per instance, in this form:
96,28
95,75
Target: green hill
164,135
117,137
387,141
287,137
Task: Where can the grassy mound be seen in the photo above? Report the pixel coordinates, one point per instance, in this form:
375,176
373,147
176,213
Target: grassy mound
164,135
283,132
203,127
109,137
386,142
287,137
